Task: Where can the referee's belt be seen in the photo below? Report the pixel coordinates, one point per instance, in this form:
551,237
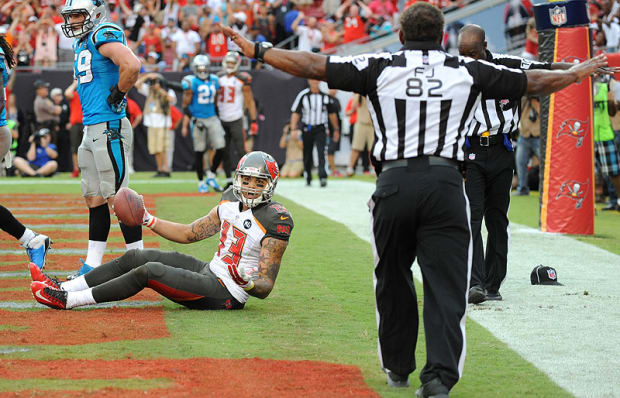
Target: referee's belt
489,140
420,163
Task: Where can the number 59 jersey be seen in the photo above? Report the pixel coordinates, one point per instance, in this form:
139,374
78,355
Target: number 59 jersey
203,95
242,234
97,74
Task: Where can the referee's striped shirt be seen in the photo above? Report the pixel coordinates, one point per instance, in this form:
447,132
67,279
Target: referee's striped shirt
421,99
501,116
314,108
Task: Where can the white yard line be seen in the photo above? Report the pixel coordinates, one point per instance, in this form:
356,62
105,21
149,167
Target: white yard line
571,336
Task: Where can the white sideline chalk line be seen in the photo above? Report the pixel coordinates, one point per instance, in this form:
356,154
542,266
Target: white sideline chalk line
572,337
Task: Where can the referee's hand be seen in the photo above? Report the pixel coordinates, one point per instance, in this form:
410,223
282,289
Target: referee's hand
597,64
246,46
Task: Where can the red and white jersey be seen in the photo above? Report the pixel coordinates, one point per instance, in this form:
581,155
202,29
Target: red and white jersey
241,236
230,101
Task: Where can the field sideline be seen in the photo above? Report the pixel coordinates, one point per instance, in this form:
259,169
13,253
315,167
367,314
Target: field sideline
322,308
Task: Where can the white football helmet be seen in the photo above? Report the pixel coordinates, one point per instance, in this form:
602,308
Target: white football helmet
200,66
231,62
256,164
94,12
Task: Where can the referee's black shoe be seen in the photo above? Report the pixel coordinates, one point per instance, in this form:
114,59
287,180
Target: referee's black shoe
494,296
395,380
476,295
433,389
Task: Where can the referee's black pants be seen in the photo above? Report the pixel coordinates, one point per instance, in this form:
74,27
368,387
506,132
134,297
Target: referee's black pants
311,136
488,181
421,211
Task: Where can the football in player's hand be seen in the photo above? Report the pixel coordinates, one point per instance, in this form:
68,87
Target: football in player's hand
129,207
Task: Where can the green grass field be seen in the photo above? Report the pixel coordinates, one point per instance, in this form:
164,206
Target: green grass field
322,307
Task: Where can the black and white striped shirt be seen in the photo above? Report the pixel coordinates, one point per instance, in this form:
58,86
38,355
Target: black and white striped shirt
421,99
314,108
501,116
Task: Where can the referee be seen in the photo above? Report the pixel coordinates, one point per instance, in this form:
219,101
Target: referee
489,168
314,107
421,100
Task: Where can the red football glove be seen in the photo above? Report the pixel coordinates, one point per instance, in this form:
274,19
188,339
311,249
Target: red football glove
253,128
244,275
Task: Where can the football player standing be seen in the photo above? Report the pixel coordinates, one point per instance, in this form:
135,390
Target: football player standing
105,69
200,92
36,245
235,96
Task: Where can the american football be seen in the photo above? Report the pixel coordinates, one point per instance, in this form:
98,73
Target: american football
129,207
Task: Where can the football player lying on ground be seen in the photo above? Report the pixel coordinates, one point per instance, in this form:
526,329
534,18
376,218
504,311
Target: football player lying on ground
254,233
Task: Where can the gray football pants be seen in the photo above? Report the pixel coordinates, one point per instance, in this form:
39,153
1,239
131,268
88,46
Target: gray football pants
183,279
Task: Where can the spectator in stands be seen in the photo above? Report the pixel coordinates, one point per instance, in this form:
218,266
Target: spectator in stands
331,36
516,15
383,27
170,13
76,128
606,153
330,7
239,26
217,43
528,142
294,161
608,26
115,14
23,51
289,18
151,40
354,23
531,41
189,12
156,119
65,45
169,30
264,21
141,18
134,114
255,35
46,113
46,48
152,63
40,157
186,43
63,140
363,134
382,8
310,37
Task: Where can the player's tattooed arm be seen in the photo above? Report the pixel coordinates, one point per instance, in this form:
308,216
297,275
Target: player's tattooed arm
269,259
204,227
200,229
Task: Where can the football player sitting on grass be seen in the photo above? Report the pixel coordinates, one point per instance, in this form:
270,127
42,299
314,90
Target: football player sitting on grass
254,233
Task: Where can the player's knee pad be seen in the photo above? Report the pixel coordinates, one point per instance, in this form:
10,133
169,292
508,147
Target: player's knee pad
155,271
150,271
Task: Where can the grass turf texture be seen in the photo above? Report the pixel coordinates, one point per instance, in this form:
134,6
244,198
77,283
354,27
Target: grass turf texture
322,307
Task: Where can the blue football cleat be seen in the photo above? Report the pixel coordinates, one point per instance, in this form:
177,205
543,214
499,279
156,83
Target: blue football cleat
37,249
210,181
84,269
202,187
